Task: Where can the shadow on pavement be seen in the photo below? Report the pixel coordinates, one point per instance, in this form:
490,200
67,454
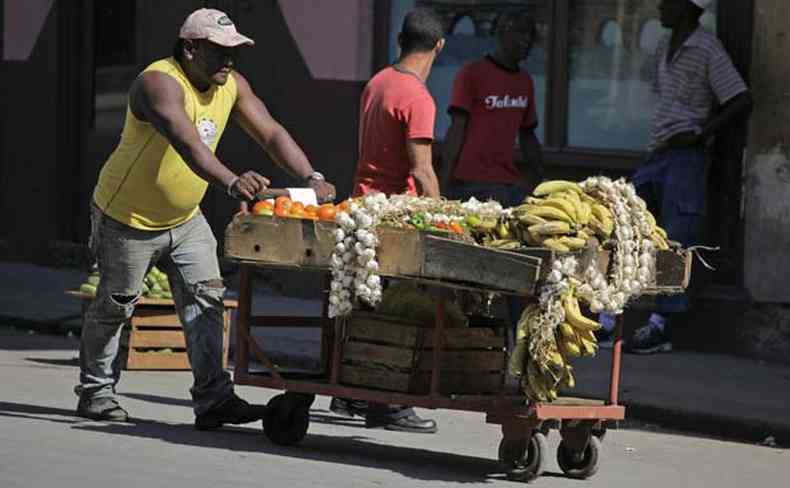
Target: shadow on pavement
75,361
145,397
418,464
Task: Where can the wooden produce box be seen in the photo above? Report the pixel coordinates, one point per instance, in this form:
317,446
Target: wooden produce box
673,267
154,338
429,256
389,354
280,241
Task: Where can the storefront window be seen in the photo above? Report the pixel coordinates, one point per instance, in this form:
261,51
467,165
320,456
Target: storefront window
469,37
610,75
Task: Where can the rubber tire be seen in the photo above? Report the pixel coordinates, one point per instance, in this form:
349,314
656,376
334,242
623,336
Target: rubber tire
524,459
288,419
585,468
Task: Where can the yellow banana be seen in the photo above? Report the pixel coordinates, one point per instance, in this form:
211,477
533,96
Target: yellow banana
574,243
600,228
601,212
569,381
555,245
530,219
561,204
549,187
550,228
571,347
582,234
502,230
567,330
660,242
551,213
660,231
574,316
584,213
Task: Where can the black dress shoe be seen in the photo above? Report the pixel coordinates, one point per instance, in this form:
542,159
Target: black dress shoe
412,423
346,407
234,410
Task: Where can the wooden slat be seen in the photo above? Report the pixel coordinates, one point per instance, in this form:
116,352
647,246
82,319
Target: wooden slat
471,361
388,356
382,329
155,318
175,360
461,383
374,378
458,261
158,338
672,269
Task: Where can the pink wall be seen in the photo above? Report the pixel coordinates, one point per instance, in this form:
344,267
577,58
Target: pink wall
22,24
335,38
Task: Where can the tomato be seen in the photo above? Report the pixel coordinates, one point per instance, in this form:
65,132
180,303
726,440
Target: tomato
440,225
311,215
296,212
297,207
343,206
311,209
327,212
281,212
283,202
456,227
262,208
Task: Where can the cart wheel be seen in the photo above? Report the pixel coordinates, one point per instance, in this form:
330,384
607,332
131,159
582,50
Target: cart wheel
524,459
288,418
579,465
600,433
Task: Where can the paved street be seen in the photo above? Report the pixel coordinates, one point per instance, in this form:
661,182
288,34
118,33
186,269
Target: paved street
42,444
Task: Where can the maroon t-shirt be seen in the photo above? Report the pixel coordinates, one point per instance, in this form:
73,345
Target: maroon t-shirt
499,102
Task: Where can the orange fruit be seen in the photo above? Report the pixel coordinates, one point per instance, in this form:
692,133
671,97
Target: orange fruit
456,227
343,206
260,208
311,215
312,209
281,212
327,212
297,207
283,202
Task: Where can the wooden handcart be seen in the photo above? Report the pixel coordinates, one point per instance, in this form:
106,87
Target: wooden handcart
423,365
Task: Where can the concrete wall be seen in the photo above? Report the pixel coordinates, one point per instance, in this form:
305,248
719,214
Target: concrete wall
767,178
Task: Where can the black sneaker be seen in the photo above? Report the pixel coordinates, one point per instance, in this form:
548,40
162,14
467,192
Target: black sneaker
648,340
348,408
234,410
104,408
412,423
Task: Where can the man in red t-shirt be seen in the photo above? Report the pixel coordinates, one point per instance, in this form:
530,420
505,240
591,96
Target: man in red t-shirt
397,114
396,118
492,102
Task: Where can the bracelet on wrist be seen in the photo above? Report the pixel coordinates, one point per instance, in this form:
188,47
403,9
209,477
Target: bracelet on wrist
229,189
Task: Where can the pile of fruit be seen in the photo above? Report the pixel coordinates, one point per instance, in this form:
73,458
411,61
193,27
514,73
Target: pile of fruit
285,207
155,284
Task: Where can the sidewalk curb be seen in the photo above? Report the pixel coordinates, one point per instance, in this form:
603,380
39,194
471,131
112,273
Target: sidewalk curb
718,426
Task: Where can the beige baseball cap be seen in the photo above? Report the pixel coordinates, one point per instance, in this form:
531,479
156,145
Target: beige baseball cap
215,26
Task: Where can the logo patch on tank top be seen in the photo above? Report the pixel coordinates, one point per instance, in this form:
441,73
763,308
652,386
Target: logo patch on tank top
208,131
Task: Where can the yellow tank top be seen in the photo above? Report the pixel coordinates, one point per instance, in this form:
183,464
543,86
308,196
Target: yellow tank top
145,184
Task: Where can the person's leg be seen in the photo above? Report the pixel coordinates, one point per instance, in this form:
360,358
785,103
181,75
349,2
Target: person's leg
679,209
193,270
123,255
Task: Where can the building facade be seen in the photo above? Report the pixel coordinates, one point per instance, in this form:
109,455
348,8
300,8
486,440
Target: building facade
66,67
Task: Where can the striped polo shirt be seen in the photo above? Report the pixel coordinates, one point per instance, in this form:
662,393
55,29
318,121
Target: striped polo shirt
700,71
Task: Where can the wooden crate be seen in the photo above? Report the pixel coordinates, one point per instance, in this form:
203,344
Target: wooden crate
155,327
389,354
280,241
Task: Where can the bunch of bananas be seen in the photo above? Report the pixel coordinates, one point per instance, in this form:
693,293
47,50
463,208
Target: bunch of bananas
494,233
561,217
544,366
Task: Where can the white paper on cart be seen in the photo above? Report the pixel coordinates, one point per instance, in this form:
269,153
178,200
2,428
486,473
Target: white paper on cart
304,195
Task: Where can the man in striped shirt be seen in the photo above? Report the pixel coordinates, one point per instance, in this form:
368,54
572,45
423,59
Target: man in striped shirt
693,73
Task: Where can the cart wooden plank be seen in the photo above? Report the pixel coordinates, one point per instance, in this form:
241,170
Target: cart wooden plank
419,254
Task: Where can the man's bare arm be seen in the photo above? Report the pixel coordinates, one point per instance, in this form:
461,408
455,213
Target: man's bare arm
453,144
421,158
252,115
158,99
531,155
